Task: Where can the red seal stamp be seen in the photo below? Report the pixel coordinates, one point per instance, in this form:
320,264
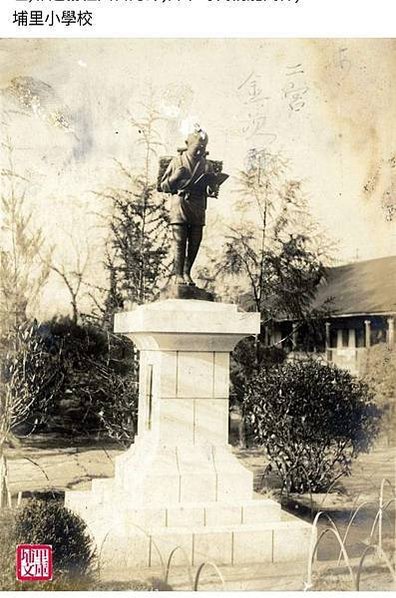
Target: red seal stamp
34,562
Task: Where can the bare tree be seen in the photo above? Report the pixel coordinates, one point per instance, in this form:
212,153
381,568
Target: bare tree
22,271
22,278
72,271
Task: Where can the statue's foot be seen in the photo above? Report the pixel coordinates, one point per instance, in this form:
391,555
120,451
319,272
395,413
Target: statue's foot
188,280
179,279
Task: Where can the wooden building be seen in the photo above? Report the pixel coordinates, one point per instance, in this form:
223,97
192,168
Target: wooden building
362,314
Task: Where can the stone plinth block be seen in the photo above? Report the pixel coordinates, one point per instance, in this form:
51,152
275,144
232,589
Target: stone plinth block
184,367
187,325
180,484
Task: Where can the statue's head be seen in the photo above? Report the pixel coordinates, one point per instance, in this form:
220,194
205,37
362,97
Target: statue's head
197,142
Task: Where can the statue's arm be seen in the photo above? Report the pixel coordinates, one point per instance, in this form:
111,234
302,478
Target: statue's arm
165,185
174,175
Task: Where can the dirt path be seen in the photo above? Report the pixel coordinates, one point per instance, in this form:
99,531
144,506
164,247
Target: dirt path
33,468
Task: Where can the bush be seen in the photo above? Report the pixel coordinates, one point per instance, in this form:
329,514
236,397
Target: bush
30,378
93,382
379,371
72,551
246,360
51,523
7,550
313,419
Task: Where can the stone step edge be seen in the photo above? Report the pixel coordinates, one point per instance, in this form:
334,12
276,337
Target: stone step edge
266,542
290,521
263,509
255,502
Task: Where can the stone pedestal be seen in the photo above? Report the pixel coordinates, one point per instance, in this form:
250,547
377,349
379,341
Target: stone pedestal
180,484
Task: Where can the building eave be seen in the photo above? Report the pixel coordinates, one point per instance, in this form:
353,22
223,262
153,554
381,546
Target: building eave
351,315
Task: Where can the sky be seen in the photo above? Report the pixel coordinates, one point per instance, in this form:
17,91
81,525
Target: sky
327,105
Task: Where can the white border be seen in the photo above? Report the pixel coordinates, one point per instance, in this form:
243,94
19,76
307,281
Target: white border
212,18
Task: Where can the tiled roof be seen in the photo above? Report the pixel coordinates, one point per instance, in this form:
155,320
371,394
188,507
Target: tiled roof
361,287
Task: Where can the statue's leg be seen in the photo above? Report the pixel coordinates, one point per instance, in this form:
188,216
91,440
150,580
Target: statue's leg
194,241
179,243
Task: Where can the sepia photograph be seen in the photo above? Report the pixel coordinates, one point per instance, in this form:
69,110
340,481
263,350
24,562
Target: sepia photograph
197,314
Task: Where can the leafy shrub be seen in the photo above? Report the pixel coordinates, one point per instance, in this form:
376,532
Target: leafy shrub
7,550
92,382
30,378
9,539
246,360
51,523
379,371
98,370
313,419
72,551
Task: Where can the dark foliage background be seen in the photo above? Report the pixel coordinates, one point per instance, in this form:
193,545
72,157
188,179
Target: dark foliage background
90,375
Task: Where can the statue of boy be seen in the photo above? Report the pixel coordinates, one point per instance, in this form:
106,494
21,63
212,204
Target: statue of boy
190,178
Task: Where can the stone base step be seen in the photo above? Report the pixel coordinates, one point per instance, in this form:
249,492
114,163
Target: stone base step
177,477
271,542
204,514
